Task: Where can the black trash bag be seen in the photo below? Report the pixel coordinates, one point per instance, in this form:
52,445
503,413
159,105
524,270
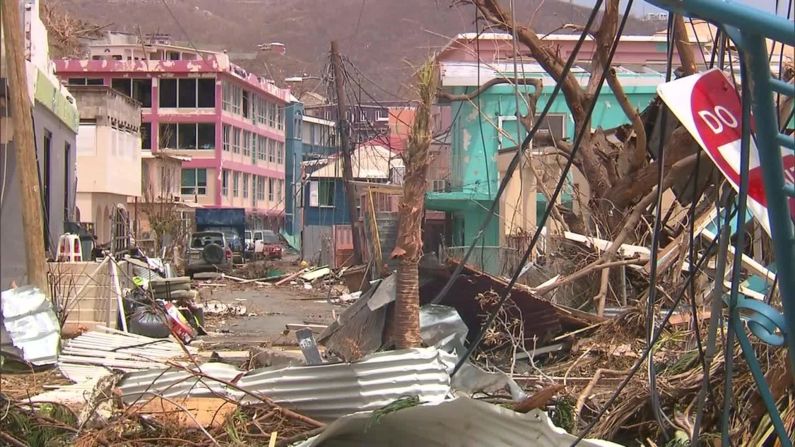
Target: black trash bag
135,299
149,323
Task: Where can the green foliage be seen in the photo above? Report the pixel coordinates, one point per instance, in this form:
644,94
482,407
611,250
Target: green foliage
563,414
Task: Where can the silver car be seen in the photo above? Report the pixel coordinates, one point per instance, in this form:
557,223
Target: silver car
208,251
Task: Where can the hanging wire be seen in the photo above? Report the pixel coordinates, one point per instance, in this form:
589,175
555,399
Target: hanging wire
561,181
514,161
655,241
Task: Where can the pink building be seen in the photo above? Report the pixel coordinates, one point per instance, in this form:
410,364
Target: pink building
198,104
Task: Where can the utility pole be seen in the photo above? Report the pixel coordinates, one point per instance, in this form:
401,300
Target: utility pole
346,149
26,168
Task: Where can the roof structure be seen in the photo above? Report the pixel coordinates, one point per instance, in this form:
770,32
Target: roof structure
369,161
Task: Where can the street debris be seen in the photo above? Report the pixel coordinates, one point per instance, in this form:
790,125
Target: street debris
29,327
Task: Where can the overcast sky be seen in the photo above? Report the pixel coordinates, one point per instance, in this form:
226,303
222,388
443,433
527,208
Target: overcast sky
641,7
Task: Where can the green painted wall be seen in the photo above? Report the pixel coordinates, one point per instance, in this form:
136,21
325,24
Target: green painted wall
475,143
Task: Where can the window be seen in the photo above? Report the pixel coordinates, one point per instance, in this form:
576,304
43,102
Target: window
146,135
279,152
260,188
168,92
439,185
272,111
224,183
172,55
325,193
187,92
260,110
189,136
232,98
262,142
226,137
246,143
271,150
85,81
279,190
270,189
236,140
245,186
280,117
507,133
205,92
236,184
254,190
194,182
138,89
168,136
246,104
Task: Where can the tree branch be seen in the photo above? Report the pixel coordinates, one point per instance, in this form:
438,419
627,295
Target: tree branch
686,57
537,83
639,155
603,42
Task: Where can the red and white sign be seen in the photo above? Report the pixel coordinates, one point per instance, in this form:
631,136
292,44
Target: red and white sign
709,107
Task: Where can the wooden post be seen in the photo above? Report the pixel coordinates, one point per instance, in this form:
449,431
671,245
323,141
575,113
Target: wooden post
345,149
26,168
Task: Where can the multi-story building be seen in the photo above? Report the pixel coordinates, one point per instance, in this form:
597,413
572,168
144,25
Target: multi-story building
109,137
485,134
198,104
307,138
55,122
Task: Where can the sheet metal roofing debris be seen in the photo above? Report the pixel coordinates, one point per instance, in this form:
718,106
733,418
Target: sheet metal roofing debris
30,329
172,382
458,422
329,391
96,352
316,274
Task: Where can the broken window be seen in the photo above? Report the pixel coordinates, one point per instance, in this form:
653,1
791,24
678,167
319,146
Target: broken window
236,184
206,135
246,110
187,92
205,92
168,136
168,93
146,135
138,89
194,182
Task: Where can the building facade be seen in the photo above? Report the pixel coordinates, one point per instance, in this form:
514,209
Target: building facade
109,137
55,124
198,104
307,138
485,132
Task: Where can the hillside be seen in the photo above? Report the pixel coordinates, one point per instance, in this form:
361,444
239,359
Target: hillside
381,37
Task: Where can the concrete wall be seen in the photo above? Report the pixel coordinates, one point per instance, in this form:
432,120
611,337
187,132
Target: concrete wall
98,208
60,181
102,150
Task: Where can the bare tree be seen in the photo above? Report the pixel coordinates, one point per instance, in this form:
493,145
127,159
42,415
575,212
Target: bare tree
408,249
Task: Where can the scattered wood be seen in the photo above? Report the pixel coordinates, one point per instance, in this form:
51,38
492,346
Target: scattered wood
313,327
289,278
187,412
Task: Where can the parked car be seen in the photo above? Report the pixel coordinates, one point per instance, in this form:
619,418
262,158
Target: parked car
268,246
208,251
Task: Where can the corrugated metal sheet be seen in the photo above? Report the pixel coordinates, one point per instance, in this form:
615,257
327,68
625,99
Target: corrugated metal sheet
29,327
315,244
328,392
170,382
459,422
